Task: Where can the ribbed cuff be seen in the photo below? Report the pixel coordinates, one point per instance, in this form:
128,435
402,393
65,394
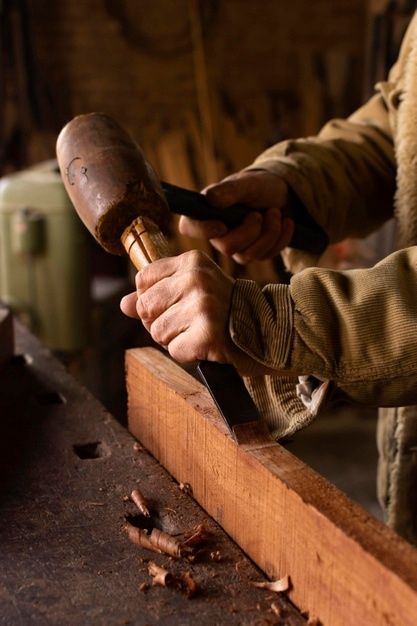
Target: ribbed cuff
261,322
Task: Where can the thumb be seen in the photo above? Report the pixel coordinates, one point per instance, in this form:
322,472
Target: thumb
258,189
228,191
128,305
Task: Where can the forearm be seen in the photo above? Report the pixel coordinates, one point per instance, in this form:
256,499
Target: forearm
354,328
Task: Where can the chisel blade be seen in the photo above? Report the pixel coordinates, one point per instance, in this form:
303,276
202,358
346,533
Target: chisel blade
234,402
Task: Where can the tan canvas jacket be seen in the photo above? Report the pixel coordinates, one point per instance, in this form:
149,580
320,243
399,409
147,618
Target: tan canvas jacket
354,330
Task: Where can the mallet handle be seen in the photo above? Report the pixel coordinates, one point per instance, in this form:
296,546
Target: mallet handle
307,234
144,242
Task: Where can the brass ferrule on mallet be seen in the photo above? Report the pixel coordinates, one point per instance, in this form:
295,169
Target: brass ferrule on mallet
144,242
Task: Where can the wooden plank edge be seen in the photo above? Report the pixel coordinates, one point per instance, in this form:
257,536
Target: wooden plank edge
6,335
346,568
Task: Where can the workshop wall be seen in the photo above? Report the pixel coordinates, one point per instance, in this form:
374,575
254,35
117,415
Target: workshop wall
204,86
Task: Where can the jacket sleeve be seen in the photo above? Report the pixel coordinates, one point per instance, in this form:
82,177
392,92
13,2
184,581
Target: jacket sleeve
355,328
347,332
345,176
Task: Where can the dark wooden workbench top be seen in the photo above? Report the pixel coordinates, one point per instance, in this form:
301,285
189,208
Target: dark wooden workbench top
65,466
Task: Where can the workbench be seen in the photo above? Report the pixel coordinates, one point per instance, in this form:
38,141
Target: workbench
66,466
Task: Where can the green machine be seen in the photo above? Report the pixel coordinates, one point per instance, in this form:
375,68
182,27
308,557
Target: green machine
44,272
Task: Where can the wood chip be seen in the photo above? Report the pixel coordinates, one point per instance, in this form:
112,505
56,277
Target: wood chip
156,540
189,585
275,585
195,536
139,499
160,575
276,609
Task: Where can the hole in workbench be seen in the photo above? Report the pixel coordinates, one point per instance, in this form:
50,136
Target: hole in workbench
146,523
50,397
91,450
21,359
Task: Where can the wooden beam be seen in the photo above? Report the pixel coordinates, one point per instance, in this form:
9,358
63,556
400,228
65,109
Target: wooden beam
346,568
6,335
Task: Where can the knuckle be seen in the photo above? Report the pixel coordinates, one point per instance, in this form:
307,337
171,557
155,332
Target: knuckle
157,331
160,330
144,307
141,279
179,353
195,258
198,280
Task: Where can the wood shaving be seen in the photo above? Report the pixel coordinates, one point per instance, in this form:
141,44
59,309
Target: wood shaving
139,499
189,585
137,447
216,556
276,609
160,575
186,488
156,540
195,536
282,584
239,566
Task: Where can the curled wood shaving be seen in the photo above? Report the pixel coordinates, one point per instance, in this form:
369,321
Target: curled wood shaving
276,609
240,567
156,540
189,585
139,499
160,575
275,585
195,536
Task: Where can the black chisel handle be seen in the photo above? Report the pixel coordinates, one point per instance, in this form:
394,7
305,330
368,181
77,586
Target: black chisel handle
307,235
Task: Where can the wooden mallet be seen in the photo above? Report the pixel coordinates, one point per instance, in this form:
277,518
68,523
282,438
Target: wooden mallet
121,201
113,188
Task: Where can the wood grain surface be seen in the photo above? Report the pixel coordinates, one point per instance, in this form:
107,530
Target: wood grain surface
346,568
66,469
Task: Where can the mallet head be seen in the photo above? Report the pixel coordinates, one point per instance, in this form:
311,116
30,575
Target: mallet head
108,179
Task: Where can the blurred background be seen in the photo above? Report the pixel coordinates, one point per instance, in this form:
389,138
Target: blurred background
204,87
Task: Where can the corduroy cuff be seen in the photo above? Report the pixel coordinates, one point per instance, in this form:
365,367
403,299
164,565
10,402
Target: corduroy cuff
261,324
